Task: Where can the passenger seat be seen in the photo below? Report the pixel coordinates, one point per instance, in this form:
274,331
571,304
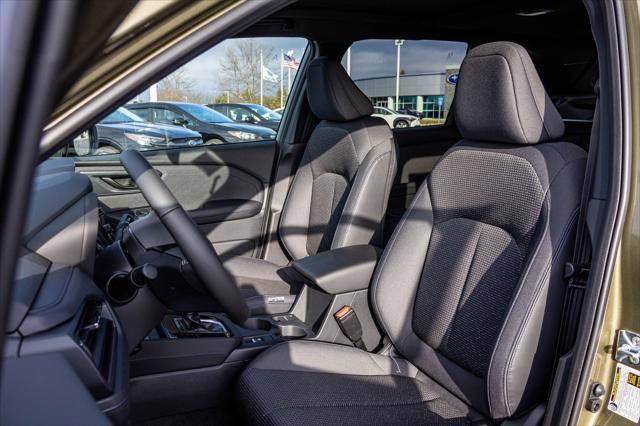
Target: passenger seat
339,194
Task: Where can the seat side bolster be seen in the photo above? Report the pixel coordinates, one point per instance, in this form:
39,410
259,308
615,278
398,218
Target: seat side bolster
527,340
366,204
397,276
294,224
324,357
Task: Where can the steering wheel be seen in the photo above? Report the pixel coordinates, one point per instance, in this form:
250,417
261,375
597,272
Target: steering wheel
195,247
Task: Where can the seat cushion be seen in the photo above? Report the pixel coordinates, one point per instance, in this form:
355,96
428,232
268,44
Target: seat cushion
305,382
268,288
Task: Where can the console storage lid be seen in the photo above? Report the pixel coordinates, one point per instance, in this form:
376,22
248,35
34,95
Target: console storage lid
340,270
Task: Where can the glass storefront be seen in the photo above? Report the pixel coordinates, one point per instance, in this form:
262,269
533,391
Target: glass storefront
407,102
382,101
433,106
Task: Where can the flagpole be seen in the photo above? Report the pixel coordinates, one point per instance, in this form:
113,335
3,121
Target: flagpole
281,78
261,78
398,44
289,82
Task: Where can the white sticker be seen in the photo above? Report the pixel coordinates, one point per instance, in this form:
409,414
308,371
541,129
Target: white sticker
625,393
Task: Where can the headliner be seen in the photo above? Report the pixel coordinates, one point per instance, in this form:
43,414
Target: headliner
560,42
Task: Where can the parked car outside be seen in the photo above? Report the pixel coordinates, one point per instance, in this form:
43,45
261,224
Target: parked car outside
412,112
249,113
395,119
214,127
123,130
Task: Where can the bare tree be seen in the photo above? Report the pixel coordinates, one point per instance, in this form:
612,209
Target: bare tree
177,86
240,70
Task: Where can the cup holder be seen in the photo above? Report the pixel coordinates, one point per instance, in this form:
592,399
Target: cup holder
258,324
285,331
291,331
120,290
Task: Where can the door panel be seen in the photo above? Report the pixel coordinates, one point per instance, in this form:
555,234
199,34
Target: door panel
224,187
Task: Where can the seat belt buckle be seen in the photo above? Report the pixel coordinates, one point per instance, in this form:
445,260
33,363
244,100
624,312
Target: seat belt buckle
349,323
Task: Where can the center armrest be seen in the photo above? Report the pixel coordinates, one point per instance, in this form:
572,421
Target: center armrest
340,270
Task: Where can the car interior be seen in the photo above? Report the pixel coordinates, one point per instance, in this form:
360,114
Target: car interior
344,273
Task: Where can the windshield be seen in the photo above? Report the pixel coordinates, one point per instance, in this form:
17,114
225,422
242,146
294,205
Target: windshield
265,112
205,114
121,115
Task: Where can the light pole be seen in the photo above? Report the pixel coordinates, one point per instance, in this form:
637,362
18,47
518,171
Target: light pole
399,43
261,78
281,78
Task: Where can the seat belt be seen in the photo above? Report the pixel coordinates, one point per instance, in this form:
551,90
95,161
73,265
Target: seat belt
577,271
349,323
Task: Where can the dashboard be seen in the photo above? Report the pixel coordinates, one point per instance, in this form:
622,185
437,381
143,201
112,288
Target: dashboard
61,328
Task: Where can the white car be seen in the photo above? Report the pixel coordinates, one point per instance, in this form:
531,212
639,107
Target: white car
395,119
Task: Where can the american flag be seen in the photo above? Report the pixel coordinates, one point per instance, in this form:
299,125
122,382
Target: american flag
290,61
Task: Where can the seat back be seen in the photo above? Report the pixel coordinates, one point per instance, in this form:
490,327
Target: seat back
339,193
470,286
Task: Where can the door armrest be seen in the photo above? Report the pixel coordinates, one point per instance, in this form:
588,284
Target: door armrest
340,270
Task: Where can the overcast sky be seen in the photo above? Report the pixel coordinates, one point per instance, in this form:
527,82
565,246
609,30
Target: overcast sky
204,69
377,58
371,58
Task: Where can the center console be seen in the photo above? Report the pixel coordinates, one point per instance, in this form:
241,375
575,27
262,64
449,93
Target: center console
197,340
202,355
177,339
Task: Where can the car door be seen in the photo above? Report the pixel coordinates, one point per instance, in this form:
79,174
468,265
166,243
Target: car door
224,187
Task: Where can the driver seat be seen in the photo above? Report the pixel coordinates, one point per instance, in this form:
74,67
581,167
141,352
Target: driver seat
470,287
339,194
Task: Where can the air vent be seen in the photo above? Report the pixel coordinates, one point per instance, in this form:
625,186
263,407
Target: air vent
95,336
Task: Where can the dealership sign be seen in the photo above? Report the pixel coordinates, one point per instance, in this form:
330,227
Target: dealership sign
452,78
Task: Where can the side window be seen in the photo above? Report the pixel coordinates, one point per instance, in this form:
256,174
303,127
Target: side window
414,79
222,109
166,116
240,114
254,74
145,113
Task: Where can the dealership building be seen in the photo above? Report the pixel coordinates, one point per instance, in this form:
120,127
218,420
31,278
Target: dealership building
430,93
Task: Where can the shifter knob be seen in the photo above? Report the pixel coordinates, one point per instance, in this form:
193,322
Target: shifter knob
143,275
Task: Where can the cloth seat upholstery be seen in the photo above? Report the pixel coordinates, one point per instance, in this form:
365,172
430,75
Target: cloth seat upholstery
469,288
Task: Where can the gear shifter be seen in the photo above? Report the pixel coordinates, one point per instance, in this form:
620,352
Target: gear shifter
193,324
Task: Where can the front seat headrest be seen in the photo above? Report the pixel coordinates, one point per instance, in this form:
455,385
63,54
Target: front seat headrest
333,96
500,98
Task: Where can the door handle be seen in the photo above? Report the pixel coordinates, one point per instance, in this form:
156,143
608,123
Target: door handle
122,183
